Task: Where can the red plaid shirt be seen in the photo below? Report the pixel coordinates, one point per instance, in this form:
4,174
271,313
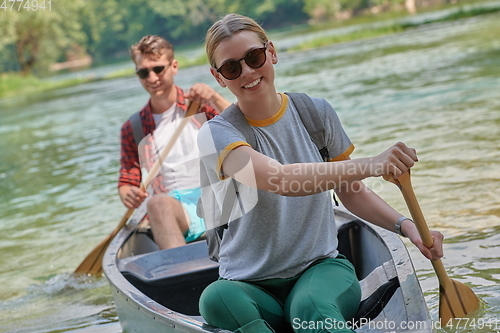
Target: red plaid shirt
130,171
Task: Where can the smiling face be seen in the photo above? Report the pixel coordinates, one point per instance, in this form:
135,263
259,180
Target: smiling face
253,83
160,84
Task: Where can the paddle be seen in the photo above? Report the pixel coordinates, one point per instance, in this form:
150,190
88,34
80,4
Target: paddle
456,300
92,264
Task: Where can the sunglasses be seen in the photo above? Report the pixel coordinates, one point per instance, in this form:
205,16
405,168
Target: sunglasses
255,58
143,73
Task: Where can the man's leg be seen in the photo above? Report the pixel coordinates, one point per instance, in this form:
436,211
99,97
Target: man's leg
168,221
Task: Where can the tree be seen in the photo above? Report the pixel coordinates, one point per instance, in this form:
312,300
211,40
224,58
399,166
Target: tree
41,36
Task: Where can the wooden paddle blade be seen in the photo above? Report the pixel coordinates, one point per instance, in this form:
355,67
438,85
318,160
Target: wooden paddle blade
456,300
92,264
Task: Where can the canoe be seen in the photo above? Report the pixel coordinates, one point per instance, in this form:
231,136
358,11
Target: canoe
158,291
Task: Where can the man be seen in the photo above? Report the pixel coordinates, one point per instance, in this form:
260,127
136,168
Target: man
172,216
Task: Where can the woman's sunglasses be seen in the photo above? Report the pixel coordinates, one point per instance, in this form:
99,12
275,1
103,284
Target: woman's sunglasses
232,69
144,72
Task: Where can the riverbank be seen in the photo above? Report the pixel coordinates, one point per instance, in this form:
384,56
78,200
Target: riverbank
396,26
12,84
368,26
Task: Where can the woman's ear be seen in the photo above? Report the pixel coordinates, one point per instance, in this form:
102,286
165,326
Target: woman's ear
217,77
274,55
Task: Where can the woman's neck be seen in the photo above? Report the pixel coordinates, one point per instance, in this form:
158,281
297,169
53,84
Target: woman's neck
263,108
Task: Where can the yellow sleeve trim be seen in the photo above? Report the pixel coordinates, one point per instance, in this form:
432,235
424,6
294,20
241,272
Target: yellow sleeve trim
344,156
224,154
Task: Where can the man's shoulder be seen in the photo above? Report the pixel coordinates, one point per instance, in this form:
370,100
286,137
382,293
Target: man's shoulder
143,115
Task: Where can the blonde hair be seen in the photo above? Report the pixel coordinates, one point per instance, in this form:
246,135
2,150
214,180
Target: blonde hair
152,47
225,28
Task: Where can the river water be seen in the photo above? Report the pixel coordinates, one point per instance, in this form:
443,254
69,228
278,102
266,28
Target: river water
436,87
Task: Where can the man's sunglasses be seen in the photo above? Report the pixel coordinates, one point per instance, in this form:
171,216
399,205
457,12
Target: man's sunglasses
143,73
255,58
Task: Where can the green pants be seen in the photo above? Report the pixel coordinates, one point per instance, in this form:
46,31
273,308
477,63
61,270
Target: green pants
320,299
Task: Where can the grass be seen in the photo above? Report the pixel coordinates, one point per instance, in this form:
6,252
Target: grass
16,84
355,35
371,32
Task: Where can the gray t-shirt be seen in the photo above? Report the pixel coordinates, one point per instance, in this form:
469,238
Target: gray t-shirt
281,235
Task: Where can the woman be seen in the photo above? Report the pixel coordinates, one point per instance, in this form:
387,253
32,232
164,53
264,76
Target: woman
279,264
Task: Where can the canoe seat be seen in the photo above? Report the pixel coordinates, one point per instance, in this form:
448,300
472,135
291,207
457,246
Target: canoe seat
162,274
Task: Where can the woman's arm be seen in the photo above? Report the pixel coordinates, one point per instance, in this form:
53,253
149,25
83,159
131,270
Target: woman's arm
255,169
364,203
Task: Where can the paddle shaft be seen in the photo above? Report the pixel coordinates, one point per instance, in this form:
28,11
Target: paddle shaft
418,217
456,300
92,264
153,172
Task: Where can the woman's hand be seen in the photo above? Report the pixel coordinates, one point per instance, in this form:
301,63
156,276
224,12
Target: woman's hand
435,252
394,161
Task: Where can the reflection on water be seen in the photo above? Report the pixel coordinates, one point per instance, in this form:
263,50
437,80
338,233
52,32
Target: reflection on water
435,88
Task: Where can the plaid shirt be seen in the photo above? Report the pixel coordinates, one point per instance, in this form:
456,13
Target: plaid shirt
130,171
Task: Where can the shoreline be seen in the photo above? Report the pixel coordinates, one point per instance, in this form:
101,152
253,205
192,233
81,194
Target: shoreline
12,84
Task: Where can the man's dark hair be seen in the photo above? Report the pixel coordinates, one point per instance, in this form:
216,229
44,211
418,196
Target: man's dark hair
153,47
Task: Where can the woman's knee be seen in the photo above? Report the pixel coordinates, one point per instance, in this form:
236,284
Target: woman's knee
316,296
214,303
234,304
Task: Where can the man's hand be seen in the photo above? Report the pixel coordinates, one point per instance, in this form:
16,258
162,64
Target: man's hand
131,196
204,94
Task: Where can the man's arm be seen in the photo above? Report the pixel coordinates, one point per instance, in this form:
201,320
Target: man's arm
130,173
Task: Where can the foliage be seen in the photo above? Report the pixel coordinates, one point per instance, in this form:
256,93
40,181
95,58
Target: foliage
38,38
32,40
354,35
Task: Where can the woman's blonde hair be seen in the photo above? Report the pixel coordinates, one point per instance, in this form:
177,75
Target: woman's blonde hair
225,28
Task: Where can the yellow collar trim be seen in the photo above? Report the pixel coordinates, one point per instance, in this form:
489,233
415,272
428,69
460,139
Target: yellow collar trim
277,116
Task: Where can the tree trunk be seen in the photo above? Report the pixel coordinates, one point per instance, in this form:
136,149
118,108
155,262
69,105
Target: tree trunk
27,47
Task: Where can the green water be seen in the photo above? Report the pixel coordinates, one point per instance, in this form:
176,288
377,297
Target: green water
436,87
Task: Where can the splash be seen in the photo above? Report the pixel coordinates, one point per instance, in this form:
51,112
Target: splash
62,283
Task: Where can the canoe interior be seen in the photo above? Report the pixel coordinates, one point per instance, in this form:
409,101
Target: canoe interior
175,278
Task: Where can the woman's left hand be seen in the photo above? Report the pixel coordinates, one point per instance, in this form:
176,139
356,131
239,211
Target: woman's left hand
435,252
